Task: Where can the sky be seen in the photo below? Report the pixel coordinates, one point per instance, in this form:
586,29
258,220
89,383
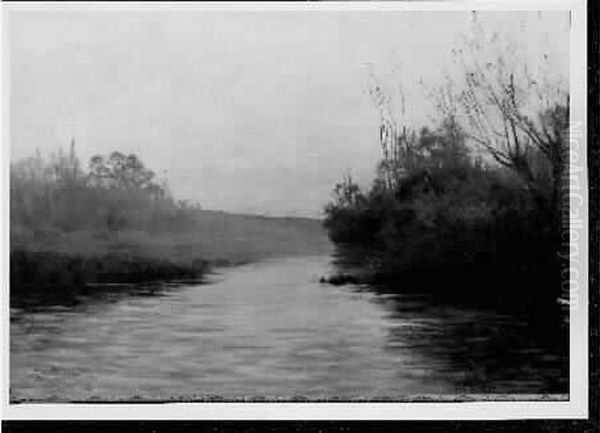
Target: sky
244,111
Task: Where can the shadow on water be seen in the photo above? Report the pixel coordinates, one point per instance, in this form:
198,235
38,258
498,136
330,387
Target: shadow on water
92,295
481,345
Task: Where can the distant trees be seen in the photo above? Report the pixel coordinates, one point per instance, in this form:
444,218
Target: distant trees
58,168
40,188
122,171
118,191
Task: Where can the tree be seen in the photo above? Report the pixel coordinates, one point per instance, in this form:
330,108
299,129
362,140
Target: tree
347,194
519,119
397,141
123,172
443,147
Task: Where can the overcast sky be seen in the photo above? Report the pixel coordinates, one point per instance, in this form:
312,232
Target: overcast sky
256,112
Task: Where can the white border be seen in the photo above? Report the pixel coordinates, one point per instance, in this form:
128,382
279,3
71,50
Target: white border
576,407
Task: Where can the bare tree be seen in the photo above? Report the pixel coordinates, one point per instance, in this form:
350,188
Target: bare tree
397,141
517,118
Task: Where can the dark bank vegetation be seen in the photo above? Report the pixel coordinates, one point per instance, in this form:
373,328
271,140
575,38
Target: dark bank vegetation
113,222
469,208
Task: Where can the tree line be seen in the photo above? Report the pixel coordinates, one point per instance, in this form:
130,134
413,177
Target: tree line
117,191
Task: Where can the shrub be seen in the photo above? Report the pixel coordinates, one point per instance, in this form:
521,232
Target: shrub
117,193
451,224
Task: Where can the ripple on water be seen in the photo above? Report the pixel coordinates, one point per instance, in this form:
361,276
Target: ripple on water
271,330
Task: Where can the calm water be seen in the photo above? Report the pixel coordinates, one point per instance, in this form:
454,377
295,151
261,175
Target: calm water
271,330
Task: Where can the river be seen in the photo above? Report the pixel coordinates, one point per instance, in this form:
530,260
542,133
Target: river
270,330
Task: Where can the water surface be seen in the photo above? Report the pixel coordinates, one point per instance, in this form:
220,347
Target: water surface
271,330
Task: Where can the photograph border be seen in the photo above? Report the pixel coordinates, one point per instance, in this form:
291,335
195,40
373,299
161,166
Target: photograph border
575,408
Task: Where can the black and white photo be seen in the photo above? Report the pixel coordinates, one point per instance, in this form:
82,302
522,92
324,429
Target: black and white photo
308,203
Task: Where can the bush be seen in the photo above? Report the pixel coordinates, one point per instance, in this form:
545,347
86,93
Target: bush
452,227
52,277
55,194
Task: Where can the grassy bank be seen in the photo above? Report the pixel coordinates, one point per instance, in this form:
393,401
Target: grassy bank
71,229
51,265
51,277
218,237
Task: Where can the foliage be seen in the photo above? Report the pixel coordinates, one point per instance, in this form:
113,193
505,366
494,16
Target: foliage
450,221
473,205
117,193
122,172
50,277
518,118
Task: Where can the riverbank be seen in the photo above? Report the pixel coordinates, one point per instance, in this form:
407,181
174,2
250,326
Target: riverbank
50,277
523,291
54,266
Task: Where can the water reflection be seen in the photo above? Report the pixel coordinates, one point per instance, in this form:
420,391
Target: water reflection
272,331
482,351
482,347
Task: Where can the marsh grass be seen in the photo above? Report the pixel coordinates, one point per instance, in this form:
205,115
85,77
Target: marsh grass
68,233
